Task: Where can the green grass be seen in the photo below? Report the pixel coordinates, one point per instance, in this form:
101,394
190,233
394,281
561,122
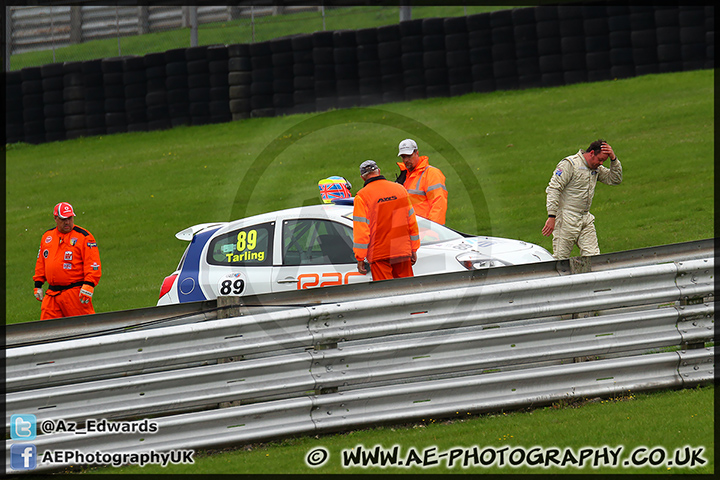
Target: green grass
134,191
669,419
241,31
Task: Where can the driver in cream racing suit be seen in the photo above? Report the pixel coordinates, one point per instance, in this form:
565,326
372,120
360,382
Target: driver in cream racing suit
570,194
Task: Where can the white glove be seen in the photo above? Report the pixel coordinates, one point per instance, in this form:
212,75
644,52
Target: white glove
86,293
39,294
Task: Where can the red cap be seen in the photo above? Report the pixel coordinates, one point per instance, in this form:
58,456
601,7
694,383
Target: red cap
63,210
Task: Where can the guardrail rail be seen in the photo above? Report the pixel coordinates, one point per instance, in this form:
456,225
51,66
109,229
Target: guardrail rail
243,369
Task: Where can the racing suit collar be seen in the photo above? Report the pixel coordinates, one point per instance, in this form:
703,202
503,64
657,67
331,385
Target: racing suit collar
581,153
62,236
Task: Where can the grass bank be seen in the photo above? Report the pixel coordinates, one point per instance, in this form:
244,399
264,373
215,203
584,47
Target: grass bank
134,191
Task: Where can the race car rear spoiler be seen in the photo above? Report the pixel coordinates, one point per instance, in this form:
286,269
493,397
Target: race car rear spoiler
190,232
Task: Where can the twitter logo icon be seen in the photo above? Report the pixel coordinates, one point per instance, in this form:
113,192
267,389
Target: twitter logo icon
23,426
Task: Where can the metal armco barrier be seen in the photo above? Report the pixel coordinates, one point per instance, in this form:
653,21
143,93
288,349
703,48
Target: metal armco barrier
363,355
113,322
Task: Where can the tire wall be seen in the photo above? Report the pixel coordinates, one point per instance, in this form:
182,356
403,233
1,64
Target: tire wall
542,46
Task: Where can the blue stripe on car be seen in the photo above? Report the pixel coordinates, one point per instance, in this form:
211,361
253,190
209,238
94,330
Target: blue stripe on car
189,281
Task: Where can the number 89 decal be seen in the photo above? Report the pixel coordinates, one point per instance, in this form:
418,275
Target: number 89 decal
231,284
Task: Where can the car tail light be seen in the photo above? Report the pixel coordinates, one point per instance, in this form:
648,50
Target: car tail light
167,284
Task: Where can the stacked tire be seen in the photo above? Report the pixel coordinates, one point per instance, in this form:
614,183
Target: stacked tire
709,37
303,74
74,100
503,50
572,43
135,82
13,107
391,72
622,63
481,52
526,48
346,68
219,87
411,59
597,43
693,36
32,105
282,75
198,69
94,92
368,67
239,79
176,83
549,46
668,39
434,53
158,111
460,77
644,39
325,81
53,108
115,118
261,86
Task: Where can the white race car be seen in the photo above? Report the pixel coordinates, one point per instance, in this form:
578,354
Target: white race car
309,247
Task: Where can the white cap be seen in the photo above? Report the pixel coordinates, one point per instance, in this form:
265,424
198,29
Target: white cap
407,147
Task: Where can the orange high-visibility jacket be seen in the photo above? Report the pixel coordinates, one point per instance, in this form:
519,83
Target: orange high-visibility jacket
67,259
426,186
384,224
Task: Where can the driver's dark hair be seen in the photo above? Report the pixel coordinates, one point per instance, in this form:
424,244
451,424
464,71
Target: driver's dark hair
596,146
